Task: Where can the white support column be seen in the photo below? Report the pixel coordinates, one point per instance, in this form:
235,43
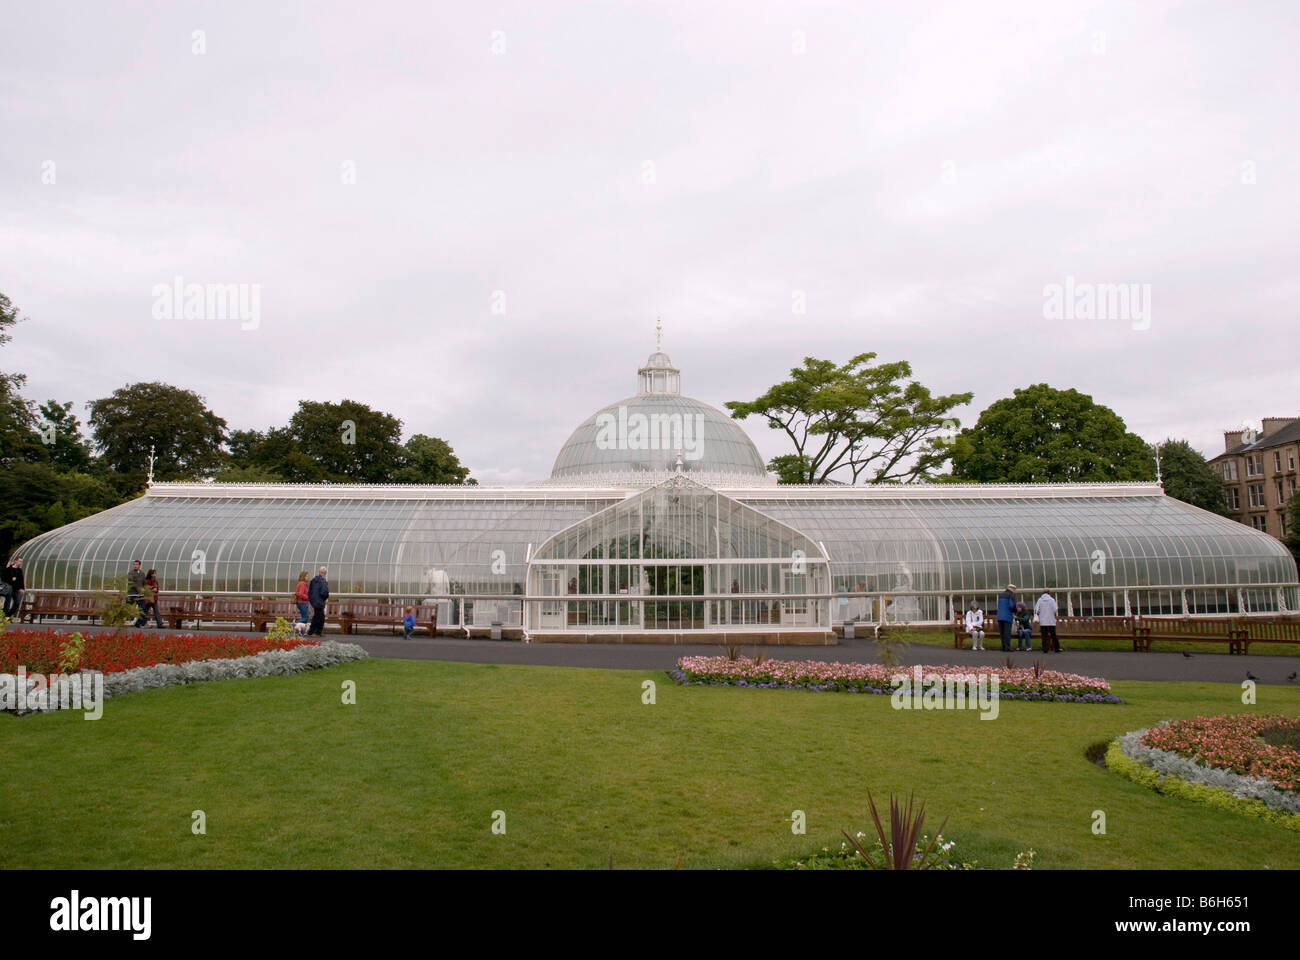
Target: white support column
1128,611
1183,596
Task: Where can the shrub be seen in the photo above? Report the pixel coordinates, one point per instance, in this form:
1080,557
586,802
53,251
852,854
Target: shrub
280,630
116,610
71,652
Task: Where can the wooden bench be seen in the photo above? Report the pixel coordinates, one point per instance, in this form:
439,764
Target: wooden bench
1237,634
352,613
60,604
1067,628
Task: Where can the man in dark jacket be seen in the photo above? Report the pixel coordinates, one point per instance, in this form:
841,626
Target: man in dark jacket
318,591
135,586
1006,614
13,576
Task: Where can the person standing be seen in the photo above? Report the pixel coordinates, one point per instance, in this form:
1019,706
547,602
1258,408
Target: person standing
150,601
300,599
408,623
135,588
13,578
975,625
1045,610
1006,614
318,591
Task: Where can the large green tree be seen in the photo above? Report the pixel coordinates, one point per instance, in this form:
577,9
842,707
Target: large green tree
346,442
856,421
187,437
1044,435
18,439
48,477
37,497
1188,477
341,443
431,460
60,432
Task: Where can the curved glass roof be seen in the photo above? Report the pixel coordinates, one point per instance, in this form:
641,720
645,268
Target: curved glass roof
1067,541
412,541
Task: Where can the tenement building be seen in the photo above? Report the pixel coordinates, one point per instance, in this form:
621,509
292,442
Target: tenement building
660,522
1259,473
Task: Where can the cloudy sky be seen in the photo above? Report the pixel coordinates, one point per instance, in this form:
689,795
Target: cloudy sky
471,215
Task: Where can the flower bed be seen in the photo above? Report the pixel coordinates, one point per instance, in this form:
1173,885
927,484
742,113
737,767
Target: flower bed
269,663
38,650
1171,773
1232,743
1016,683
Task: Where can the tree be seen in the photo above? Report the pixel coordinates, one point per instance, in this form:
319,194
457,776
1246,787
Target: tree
17,418
339,442
61,434
1043,435
187,437
1186,476
39,498
431,460
870,422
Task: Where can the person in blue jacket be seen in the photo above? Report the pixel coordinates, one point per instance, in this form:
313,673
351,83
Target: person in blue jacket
408,623
1006,614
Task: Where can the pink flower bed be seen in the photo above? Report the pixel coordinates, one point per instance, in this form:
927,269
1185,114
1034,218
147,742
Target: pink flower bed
1232,743
1017,682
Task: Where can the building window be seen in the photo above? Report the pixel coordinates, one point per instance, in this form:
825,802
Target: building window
1277,460
1260,523
1281,501
1290,459
1290,485
1230,470
1234,498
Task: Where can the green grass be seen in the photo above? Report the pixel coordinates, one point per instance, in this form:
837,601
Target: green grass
288,776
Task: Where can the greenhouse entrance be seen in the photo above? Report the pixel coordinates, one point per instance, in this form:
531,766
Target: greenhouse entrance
681,558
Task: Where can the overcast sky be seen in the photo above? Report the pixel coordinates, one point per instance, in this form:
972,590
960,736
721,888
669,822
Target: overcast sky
394,175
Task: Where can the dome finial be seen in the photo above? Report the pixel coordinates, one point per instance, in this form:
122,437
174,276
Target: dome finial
659,334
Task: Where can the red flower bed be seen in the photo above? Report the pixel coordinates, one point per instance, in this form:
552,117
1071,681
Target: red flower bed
38,650
1233,743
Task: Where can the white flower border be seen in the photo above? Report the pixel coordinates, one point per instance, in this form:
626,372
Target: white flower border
1167,763
269,663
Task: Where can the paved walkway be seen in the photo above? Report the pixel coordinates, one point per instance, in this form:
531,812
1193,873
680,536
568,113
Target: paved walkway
1111,665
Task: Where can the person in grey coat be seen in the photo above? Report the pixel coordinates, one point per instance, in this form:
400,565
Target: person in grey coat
1045,613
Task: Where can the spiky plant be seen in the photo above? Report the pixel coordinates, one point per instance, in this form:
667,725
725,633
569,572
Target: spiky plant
898,843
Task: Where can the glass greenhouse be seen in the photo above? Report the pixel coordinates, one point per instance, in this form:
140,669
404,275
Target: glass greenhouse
659,518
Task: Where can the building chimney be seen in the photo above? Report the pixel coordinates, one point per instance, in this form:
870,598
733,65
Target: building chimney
1273,424
1231,438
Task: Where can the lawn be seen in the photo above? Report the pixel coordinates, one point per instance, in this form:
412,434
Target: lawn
288,776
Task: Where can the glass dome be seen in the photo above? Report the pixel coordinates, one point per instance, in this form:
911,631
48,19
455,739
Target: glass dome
659,431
